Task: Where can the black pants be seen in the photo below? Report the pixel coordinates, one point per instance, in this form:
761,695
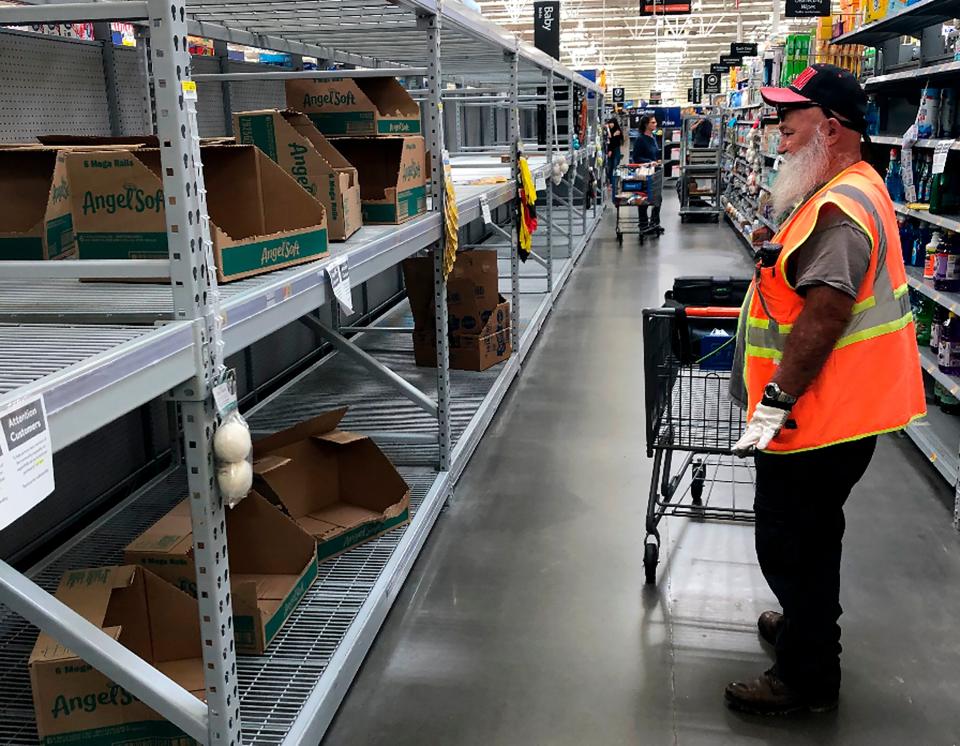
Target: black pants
799,534
654,218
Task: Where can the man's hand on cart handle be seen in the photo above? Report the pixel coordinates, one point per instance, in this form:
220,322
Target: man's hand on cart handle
762,428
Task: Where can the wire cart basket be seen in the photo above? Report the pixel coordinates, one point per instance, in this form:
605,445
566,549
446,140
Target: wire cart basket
689,410
637,184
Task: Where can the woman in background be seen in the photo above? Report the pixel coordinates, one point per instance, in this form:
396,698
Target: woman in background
614,151
646,149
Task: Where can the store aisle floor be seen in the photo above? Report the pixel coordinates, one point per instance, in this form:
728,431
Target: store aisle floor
525,619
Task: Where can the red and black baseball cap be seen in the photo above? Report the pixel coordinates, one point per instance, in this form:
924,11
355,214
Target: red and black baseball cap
828,87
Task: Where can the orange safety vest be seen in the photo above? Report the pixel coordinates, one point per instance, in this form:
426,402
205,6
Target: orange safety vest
871,383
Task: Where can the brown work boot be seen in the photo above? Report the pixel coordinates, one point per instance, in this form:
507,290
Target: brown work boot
768,695
769,625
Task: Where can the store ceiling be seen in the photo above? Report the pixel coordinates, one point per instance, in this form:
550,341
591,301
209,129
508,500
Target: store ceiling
642,52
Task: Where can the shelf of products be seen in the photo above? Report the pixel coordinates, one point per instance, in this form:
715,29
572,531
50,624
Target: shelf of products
923,143
914,75
912,18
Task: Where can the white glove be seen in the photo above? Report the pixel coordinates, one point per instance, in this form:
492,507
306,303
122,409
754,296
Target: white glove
761,429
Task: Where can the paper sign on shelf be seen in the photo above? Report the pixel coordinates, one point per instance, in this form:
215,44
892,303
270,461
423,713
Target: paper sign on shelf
540,182
940,155
485,210
906,164
26,458
340,282
189,89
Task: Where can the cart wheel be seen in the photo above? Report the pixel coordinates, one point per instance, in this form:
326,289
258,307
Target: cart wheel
651,555
696,486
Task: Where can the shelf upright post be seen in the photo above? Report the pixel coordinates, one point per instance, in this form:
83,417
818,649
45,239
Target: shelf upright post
513,129
103,33
195,296
572,171
458,123
551,146
434,118
222,54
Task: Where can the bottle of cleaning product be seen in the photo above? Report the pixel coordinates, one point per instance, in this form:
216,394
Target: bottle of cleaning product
873,116
948,355
922,319
948,111
928,117
919,254
930,265
949,404
947,276
893,181
936,327
906,238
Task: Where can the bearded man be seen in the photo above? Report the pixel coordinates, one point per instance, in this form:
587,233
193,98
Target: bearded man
826,360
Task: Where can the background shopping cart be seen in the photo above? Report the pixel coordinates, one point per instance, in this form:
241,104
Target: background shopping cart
637,184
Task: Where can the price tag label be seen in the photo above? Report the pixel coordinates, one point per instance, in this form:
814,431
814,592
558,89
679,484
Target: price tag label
26,458
485,210
940,155
225,397
189,89
541,182
339,276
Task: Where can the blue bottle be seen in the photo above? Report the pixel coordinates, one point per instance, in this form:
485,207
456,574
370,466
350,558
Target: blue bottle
893,180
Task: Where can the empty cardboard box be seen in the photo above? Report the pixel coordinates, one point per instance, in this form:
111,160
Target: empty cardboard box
272,564
338,486
289,139
356,106
26,181
75,703
393,186
261,220
479,351
478,317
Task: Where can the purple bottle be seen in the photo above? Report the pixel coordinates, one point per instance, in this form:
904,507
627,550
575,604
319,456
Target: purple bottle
948,356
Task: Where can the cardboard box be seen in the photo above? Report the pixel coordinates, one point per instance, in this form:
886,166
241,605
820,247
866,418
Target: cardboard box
356,106
470,351
338,486
26,178
472,290
393,185
75,703
272,564
289,139
108,203
478,317
260,218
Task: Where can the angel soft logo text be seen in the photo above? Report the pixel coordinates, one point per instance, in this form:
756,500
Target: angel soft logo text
131,198
283,252
330,98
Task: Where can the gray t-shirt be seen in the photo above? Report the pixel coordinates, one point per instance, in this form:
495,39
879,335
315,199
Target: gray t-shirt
837,253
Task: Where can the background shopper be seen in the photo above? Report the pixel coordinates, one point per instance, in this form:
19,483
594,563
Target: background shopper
646,149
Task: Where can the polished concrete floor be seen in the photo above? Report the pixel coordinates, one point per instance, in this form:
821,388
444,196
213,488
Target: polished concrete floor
526,621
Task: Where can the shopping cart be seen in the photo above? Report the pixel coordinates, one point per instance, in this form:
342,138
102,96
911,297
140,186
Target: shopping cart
637,184
689,409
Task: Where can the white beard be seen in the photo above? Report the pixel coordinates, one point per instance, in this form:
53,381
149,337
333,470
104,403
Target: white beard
800,174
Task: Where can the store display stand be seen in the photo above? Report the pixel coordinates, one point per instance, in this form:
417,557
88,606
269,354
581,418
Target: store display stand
699,165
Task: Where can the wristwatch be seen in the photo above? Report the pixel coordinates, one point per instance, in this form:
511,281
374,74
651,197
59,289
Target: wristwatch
774,396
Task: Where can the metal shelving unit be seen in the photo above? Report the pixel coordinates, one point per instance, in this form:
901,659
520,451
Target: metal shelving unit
100,350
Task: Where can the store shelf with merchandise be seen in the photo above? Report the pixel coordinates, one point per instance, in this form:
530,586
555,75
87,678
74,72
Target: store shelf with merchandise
912,18
94,353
